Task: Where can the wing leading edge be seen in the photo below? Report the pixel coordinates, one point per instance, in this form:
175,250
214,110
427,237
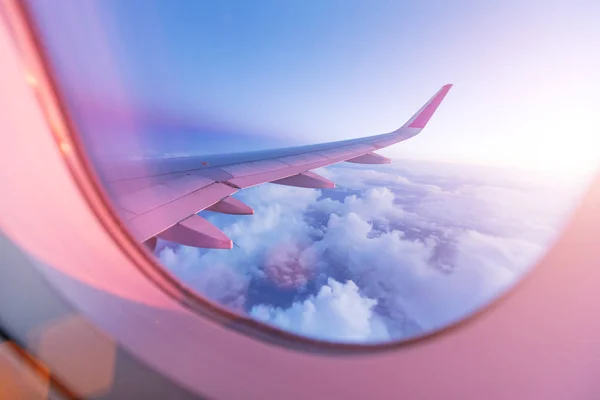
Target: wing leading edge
160,198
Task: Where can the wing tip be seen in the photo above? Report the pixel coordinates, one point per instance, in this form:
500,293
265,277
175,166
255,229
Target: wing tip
423,116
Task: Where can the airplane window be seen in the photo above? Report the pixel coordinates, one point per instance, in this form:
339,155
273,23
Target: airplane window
205,123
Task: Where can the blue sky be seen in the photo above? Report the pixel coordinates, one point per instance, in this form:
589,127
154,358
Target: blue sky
209,77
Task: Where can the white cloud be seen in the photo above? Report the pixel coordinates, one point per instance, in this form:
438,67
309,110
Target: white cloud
289,265
361,178
263,238
397,273
337,312
217,281
374,203
417,255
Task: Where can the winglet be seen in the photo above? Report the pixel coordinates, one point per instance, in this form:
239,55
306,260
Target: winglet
420,119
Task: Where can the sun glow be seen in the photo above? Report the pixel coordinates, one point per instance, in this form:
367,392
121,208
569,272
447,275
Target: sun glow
555,129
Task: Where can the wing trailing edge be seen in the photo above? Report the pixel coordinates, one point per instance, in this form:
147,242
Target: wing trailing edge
306,180
370,158
195,231
231,205
161,218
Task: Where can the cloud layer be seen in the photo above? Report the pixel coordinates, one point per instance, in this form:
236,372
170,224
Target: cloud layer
392,252
336,312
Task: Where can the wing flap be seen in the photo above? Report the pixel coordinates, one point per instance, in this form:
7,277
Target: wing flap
231,205
263,177
158,219
195,231
370,158
306,180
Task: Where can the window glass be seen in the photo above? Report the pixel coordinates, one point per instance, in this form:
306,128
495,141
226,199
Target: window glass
394,250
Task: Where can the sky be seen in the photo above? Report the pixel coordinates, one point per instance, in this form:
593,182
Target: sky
202,77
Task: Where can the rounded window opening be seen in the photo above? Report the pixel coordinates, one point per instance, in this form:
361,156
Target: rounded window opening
189,111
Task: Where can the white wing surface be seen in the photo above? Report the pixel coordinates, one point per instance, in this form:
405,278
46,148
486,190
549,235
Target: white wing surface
160,198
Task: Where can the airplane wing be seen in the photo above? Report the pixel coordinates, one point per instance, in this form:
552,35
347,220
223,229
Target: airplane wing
161,197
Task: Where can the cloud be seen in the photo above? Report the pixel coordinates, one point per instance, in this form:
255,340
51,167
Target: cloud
412,294
217,281
362,179
290,265
269,245
416,250
337,312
